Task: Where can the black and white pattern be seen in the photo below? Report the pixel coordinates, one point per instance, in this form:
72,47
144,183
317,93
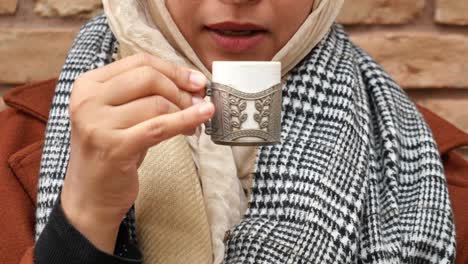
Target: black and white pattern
357,179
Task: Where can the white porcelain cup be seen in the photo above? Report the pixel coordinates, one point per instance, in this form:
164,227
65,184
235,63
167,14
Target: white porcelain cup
247,96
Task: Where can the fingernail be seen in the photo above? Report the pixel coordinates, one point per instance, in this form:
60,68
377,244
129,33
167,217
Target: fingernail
197,79
206,109
197,100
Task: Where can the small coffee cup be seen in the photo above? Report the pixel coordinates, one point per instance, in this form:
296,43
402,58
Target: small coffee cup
247,97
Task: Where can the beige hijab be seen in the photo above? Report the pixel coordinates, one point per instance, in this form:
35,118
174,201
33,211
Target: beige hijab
147,26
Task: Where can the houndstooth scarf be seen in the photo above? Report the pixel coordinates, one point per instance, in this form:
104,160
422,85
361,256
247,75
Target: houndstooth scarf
357,177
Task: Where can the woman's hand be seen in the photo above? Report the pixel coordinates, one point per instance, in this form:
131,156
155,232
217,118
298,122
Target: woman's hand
117,113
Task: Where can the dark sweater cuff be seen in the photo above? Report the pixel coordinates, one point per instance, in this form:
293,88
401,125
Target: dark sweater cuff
61,243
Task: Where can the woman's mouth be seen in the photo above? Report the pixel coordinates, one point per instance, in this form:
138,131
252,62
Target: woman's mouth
236,37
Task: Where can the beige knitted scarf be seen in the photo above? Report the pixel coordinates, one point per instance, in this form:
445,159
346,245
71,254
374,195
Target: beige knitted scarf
178,219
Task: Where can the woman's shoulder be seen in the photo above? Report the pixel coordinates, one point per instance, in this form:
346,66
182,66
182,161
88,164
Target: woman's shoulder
28,111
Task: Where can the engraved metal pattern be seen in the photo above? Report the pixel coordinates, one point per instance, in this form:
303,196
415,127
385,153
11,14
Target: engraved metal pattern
263,108
226,125
237,108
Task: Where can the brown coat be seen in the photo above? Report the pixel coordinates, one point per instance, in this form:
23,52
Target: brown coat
21,141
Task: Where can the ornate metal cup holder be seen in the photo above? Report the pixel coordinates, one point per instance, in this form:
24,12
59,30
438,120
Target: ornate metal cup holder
226,126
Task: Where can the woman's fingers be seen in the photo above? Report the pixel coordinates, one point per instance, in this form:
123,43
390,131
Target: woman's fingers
155,130
184,78
143,82
140,110
116,113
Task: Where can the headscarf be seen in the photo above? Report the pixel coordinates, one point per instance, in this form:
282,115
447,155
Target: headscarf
147,26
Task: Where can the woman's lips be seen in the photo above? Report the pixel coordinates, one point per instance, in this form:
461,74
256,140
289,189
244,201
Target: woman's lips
237,43
234,36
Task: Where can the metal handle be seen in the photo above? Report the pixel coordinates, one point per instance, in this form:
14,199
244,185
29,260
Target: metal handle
208,124
208,128
209,89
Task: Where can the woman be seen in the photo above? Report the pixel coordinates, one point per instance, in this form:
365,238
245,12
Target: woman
357,177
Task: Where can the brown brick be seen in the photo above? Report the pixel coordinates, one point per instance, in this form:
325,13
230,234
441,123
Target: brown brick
380,11
50,8
8,6
450,104
452,12
30,55
420,60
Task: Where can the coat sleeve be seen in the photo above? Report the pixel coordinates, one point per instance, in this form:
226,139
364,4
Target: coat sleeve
60,243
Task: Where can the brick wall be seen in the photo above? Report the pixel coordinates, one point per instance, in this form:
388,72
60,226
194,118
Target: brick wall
423,44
